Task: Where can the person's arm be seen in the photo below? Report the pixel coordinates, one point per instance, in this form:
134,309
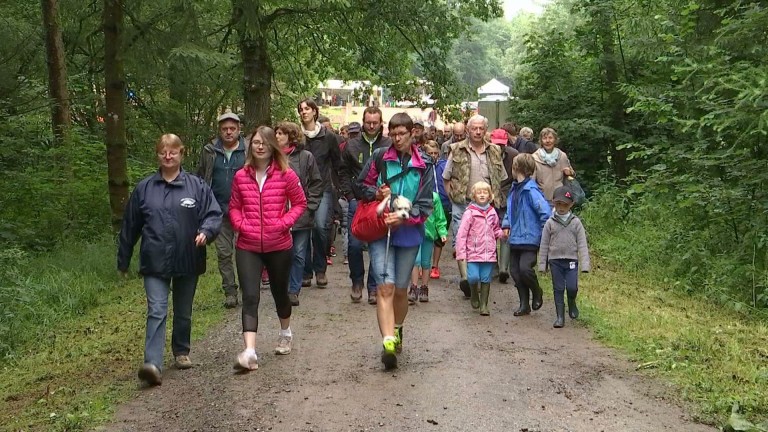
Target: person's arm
315,186
133,222
423,205
546,233
335,155
366,180
447,176
581,242
211,214
496,226
505,224
296,196
542,208
441,224
461,236
236,204
345,173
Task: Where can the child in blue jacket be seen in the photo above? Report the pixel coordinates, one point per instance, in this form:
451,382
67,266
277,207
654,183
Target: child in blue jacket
527,212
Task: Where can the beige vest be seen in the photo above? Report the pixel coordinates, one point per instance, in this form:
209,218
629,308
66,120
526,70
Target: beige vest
460,172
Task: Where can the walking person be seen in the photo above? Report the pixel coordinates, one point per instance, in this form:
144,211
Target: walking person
564,248
397,170
290,139
527,212
476,244
499,137
219,161
323,143
552,164
435,229
445,202
267,200
175,214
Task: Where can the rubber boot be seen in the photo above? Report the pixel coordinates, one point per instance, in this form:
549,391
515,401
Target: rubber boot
560,319
463,283
573,311
485,291
525,307
474,295
538,298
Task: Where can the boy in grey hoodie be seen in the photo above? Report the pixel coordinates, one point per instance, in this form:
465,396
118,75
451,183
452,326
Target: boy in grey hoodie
563,243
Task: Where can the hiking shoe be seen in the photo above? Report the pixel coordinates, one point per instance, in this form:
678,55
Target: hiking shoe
434,273
357,292
388,354
399,339
371,297
183,362
413,294
283,345
321,280
306,282
230,301
246,361
150,374
294,298
424,294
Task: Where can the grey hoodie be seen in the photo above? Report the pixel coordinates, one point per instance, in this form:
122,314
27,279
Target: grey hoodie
564,240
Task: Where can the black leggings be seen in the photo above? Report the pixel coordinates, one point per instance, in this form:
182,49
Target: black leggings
249,265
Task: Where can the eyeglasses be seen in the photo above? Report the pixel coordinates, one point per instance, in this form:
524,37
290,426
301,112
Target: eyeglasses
258,143
168,154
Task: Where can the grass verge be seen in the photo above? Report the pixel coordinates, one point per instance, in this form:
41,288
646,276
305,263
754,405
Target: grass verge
715,356
73,370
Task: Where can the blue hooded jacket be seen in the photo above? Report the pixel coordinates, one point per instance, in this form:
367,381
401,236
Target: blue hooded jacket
527,212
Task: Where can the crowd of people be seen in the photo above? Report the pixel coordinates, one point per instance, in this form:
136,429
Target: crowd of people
273,199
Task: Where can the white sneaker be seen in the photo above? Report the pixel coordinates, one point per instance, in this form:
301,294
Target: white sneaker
246,361
284,345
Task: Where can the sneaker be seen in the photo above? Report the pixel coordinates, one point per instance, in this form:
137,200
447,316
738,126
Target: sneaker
399,339
371,297
230,301
333,251
388,354
435,273
246,361
346,261
424,294
150,374
306,282
294,298
284,345
264,279
413,294
182,362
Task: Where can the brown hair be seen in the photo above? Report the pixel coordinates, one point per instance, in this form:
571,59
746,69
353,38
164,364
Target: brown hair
511,128
171,141
401,119
292,130
268,135
524,164
310,103
373,110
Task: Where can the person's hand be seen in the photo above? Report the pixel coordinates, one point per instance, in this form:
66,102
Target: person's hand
568,172
506,232
200,239
383,192
392,219
444,239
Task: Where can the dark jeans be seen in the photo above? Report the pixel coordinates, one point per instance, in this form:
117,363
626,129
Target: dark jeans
355,255
315,255
565,277
249,265
300,245
157,290
521,263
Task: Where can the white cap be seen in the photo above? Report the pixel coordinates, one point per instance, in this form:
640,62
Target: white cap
229,115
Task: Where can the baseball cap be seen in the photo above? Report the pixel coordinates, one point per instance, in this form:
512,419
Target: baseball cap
229,115
563,194
499,136
354,127
418,122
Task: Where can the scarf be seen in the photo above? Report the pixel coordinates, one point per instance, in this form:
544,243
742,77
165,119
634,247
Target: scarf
313,133
289,149
549,158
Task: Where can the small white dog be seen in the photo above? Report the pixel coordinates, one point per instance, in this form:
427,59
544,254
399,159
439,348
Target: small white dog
401,206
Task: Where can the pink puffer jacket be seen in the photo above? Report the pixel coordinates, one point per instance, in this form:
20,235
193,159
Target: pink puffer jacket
262,217
477,235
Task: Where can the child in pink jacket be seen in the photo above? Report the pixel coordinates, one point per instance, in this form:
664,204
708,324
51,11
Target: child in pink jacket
476,244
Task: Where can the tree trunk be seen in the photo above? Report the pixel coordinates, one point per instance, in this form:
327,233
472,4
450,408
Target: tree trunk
257,79
57,70
114,89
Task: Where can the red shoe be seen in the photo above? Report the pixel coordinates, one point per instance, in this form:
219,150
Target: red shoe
435,273
328,261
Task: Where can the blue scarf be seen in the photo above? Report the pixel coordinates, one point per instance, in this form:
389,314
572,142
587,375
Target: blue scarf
549,158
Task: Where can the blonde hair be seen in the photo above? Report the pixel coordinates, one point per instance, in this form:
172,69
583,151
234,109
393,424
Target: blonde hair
481,185
430,145
268,135
524,164
171,141
527,132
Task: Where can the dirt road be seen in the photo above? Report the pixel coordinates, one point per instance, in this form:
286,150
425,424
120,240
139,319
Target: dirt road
458,372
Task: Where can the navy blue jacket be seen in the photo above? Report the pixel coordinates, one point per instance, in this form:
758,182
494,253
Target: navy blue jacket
168,216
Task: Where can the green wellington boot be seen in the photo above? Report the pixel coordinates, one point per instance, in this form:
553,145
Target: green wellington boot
474,295
485,291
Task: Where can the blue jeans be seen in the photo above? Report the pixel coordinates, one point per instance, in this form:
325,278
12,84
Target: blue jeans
479,272
394,267
157,290
300,244
355,255
457,211
565,277
315,255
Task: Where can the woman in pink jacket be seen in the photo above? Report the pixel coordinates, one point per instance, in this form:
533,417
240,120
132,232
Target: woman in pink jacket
267,199
476,244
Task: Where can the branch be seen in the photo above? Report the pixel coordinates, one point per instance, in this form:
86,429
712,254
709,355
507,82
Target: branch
281,12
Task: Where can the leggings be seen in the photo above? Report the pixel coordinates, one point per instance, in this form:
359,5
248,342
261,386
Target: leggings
249,265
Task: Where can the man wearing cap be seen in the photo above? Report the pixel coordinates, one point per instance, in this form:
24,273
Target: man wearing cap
353,158
353,131
499,137
472,160
219,161
458,135
418,133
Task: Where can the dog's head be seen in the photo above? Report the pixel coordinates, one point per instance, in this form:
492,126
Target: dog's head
401,206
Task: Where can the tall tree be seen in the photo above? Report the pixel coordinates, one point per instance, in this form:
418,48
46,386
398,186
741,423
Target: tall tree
114,88
57,70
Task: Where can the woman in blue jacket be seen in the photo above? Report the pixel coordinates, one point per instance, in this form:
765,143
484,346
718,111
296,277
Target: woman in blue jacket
527,212
176,215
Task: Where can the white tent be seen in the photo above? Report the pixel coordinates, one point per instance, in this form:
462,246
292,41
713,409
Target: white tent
493,90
